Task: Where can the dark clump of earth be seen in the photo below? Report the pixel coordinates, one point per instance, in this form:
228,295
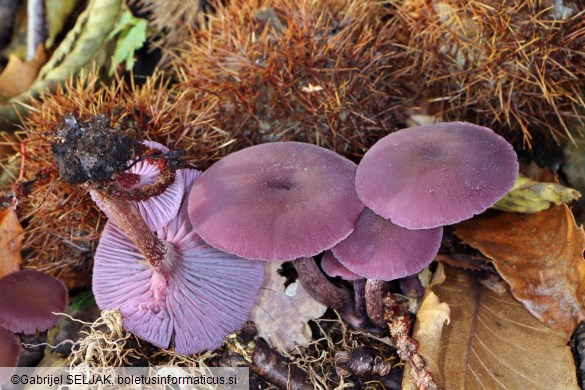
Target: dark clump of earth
91,150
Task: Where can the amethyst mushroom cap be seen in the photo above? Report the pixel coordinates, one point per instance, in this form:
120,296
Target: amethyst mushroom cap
28,300
276,201
379,249
332,267
197,297
433,175
9,354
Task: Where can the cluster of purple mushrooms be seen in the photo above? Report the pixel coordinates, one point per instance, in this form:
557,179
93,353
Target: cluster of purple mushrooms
185,267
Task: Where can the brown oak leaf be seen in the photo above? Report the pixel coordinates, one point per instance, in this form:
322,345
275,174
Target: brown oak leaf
540,256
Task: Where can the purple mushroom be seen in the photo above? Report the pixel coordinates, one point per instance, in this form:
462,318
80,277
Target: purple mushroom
171,285
9,354
381,251
428,176
280,201
332,267
28,300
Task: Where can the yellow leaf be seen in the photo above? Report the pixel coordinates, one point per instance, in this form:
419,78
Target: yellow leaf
530,196
428,328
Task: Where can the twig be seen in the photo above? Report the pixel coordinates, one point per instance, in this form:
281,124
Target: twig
399,324
36,29
277,370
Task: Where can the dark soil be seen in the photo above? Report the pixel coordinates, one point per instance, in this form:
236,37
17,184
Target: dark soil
91,150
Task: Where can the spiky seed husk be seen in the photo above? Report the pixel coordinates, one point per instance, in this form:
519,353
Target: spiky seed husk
62,223
311,71
515,66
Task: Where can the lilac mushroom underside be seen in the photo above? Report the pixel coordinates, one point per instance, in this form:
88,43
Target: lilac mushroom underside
195,295
433,175
28,300
280,201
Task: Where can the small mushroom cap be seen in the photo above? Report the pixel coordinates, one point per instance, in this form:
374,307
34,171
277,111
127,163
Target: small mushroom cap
434,175
276,201
9,354
27,300
332,267
379,249
157,211
208,294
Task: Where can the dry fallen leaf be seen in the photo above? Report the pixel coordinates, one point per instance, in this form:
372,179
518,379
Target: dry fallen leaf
541,257
10,242
18,76
281,314
492,342
428,328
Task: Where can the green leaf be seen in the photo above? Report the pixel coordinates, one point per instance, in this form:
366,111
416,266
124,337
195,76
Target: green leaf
132,33
124,22
83,300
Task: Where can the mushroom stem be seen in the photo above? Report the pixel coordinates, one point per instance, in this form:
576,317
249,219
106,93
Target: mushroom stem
359,288
374,306
319,287
160,254
325,292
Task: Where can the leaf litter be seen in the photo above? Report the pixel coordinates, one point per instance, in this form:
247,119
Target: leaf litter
491,340
540,256
10,242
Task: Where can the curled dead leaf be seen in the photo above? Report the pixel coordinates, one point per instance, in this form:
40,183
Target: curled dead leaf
531,196
18,76
428,328
540,256
282,313
10,242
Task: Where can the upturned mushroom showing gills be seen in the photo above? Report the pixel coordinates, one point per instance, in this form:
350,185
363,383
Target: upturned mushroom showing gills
428,176
194,294
28,300
280,201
